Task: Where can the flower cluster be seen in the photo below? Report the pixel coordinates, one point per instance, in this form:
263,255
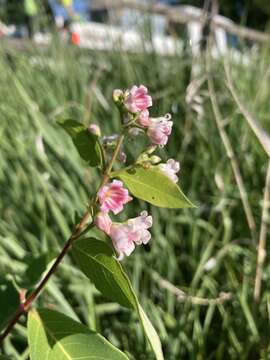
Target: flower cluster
137,101
112,197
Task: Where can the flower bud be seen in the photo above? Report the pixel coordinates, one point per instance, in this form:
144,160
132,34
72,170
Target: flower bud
142,158
118,95
103,222
155,159
94,129
151,149
146,165
144,118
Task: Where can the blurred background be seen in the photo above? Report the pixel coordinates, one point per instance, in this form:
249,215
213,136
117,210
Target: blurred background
208,64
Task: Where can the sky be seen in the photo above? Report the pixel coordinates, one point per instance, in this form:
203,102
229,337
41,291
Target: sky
80,6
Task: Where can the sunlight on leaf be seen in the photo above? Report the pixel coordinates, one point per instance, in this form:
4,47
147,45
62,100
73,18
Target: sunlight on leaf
85,142
153,186
54,336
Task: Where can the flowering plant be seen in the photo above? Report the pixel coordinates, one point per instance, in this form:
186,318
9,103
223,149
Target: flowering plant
98,253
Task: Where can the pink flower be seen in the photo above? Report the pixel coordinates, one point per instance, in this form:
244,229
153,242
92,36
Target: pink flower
134,231
122,240
144,118
94,129
103,222
113,196
170,169
139,226
159,129
137,99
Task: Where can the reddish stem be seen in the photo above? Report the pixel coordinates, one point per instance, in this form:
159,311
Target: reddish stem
78,229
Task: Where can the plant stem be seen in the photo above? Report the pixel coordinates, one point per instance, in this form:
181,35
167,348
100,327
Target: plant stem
229,149
261,253
78,229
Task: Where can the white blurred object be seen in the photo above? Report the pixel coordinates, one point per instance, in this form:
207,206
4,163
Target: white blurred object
210,264
195,36
6,30
59,21
42,39
107,37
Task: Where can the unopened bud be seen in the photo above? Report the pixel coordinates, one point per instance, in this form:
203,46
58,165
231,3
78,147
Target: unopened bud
155,159
151,149
142,158
118,95
146,165
94,129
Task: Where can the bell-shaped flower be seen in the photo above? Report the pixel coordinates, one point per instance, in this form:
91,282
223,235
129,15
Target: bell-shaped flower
170,169
134,231
160,129
113,196
137,99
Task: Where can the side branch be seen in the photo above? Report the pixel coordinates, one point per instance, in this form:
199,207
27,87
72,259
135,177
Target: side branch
184,297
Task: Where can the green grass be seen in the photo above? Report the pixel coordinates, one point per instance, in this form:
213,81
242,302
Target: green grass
43,183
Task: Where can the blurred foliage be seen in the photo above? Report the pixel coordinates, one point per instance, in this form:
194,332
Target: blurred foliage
203,251
253,13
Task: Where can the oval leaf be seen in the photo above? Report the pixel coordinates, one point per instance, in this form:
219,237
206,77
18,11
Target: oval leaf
153,186
86,143
54,336
96,259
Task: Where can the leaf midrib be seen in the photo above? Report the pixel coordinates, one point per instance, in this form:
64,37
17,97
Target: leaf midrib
110,271
136,181
41,324
58,343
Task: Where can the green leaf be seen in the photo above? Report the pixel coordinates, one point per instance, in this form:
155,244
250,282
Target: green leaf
54,336
87,144
96,259
9,301
3,357
151,333
153,186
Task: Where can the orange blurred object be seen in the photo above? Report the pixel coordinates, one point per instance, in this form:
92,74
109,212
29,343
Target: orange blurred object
75,38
